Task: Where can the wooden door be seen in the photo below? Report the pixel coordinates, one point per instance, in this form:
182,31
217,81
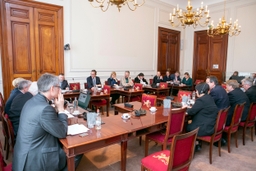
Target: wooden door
210,56
32,41
168,50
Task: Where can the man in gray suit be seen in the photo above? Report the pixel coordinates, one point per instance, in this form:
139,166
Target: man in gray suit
37,145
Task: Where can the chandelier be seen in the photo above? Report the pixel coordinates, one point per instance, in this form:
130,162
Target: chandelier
223,27
104,4
190,17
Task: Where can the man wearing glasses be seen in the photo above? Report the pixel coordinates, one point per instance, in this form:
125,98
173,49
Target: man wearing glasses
250,89
37,144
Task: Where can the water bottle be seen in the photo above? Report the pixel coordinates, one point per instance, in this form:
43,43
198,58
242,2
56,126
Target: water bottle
75,104
194,95
98,120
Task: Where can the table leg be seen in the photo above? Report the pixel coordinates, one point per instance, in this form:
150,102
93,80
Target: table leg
107,107
123,155
71,163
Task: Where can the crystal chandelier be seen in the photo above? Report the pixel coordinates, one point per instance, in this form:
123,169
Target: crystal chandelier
104,4
190,17
223,27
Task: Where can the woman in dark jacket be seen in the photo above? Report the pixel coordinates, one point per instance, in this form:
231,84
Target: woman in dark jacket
204,112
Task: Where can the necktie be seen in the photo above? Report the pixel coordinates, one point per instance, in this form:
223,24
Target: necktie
94,81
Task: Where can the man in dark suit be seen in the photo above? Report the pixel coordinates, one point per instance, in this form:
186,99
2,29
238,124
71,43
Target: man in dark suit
63,83
204,112
37,144
93,80
167,77
217,92
176,77
236,96
17,105
22,88
250,89
158,78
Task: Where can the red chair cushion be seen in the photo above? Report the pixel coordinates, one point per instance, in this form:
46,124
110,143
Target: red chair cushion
250,124
208,138
157,161
8,167
159,137
232,129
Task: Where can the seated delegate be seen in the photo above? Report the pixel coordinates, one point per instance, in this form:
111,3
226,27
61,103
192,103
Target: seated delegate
63,83
126,81
167,78
158,78
204,112
187,80
176,77
93,80
140,79
112,81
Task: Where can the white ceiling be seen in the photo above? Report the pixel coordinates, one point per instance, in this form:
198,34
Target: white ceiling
194,3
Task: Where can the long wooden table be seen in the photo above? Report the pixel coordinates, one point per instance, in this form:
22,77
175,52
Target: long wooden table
115,130
157,91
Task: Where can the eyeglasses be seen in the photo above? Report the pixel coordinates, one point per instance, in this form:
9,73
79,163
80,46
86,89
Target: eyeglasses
57,86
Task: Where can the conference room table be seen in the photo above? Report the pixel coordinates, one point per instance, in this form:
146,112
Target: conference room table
115,130
127,92
158,91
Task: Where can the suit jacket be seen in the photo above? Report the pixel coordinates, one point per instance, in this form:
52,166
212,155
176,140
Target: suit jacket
124,83
157,79
8,103
15,110
251,93
204,113
167,78
173,78
237,96
90,81
112,81
37,144
220,97
137,80
188,82
64,85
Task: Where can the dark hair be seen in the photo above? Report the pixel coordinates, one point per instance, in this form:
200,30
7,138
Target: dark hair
213,79
141,74
186,73
61,74
235,72
202,88
94,71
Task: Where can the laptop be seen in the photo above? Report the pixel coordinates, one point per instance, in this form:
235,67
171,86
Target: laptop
83,100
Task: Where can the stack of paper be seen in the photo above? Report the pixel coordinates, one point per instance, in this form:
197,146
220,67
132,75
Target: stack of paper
77,129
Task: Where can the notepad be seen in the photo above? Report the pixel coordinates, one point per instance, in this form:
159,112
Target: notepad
77,129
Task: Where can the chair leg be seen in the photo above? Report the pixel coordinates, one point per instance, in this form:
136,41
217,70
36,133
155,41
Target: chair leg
142,168
236,138
210,152
146,146
244,129
219,145
229,136
5,143
252,133
7,151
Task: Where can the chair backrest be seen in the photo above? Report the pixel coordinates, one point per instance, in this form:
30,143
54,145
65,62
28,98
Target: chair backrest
163,85
4,126
10,129
106,83
138,86
2,162
148,100
2,103
74,86
237,116
150,81
221,121
198,82
106,89
182,93
85,86
224,86
182,150
175,123
252,113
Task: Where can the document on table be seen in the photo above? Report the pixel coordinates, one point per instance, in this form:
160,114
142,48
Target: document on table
76,129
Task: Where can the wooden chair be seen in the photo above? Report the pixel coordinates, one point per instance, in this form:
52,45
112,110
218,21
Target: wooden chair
74,86
148,100
250,121
3,165
163,85
233,128
6,135
150,81
216,136
102,102
10,130
198,82
178,157
224,86
106,82
85,86
174,127
182,93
